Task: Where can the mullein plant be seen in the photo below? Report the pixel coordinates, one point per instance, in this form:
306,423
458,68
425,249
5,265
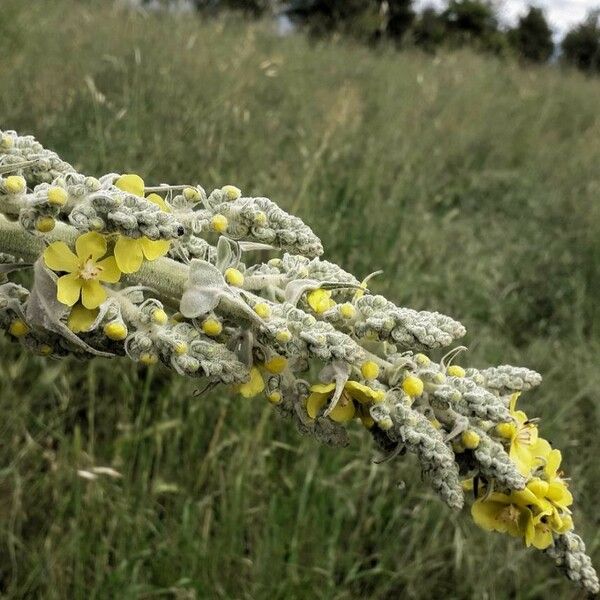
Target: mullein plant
161,274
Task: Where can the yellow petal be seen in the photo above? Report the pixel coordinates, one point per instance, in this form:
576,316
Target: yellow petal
131,183
322,388
559,494
154,249
525,497
485,514
159,201
553,460
254,386
541,449
562,523
542,534
520,417
110,271
343,412
90,244
315,403
363,393
129,254
68,289
521,455
92,294
81,319
513,401
59,257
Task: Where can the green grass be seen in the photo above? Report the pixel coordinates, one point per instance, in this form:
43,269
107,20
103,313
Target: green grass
473,183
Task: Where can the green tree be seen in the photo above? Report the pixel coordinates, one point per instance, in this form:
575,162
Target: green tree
429,30
360,18
254,8
581,45
473,22
400,18
532,37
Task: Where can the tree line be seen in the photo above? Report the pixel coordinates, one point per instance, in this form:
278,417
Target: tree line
462,22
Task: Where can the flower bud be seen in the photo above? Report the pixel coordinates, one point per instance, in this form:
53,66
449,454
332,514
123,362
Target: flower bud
232,192
116,330
234,277
57,196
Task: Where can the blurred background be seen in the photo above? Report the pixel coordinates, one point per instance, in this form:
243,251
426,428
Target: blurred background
456,148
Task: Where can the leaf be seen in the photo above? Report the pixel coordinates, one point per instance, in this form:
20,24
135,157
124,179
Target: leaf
294,289
206,286
45,311
11,267
16,166
204,274
228,253
252,246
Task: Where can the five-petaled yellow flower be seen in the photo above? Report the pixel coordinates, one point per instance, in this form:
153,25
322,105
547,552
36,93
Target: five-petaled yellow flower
520,514
84,271
345,408
130,252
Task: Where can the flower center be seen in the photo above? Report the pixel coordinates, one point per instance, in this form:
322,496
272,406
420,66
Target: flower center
510,514
345,399
526,434
89,269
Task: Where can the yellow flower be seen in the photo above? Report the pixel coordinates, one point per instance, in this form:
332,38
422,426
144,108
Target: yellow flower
557,488
345,409
320,300
84,271
550,486
539,532
254,386
521,514
130,252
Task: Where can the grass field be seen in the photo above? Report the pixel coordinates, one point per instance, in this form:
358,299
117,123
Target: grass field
473,183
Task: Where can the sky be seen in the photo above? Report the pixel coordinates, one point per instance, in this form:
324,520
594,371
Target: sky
561,14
